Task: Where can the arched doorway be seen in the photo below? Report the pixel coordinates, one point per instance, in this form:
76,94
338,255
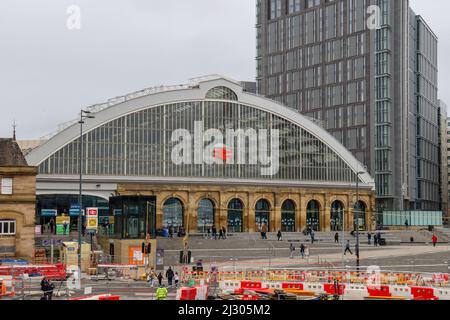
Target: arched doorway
205,215
337,216
288,216
235,216
173,214
262,214
360,214
313,215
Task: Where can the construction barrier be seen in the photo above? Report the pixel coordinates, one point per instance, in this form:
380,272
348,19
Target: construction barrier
6,287
192,293
393,292
101,297
52,272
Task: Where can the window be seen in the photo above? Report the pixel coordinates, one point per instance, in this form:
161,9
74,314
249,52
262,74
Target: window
7,227
7,186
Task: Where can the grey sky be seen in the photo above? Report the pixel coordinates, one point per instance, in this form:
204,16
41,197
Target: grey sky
48,72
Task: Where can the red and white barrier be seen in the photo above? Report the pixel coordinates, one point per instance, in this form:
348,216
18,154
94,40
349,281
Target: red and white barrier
193,293
100,297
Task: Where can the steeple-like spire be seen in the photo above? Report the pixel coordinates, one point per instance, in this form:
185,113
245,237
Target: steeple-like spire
14,130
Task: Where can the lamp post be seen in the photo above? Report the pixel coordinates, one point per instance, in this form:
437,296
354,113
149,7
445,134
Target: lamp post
83,115
357,220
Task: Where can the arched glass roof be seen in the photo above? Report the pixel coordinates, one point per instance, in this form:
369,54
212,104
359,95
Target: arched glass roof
248,138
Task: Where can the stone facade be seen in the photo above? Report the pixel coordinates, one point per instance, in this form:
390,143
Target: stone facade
191,195
20,206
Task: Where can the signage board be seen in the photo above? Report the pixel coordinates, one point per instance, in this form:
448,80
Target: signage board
92,219
60,221
49,212
76,212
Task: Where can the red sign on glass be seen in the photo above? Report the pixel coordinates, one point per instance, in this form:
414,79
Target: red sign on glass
92,212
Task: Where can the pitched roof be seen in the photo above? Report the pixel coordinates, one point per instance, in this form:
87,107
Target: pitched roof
10,154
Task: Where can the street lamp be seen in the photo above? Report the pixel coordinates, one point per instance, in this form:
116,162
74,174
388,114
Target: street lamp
357,220
83,115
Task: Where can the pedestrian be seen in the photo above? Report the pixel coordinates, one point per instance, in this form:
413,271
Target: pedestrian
347,248
44,288
169,275
336,237
160,279
279,235
208,236
52,226
214,232
292,251
224,230
306,252
302,250
221,234
406,223
312,236
161,293
265,230
435,240
177,279
369,238
65,227
171,232
375,240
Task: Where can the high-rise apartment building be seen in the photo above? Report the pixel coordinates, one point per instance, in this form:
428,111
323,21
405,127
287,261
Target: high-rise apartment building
368,70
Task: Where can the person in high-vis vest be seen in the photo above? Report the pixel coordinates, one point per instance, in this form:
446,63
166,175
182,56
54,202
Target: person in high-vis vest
161,293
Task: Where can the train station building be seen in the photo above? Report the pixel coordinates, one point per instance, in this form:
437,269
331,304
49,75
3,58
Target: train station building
202,154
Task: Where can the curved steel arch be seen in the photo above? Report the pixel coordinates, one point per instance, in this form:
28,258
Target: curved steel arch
198,93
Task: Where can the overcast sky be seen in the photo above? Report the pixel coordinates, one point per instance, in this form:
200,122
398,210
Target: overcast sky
48,72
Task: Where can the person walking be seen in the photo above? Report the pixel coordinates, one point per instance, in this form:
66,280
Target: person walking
347,248
169,275
161,293
312,236
160,279
434,239
369,238
406,223
375,240
208,235
302,250
44,288
224,230
214,233
171,232
264,231
177,279
306,252
279,235
221,234
65,227
336,237
52,226
292,251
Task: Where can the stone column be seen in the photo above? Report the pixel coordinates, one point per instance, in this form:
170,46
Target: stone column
275,221
350,219
327,219
250,212
221,217
191,213
302,209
